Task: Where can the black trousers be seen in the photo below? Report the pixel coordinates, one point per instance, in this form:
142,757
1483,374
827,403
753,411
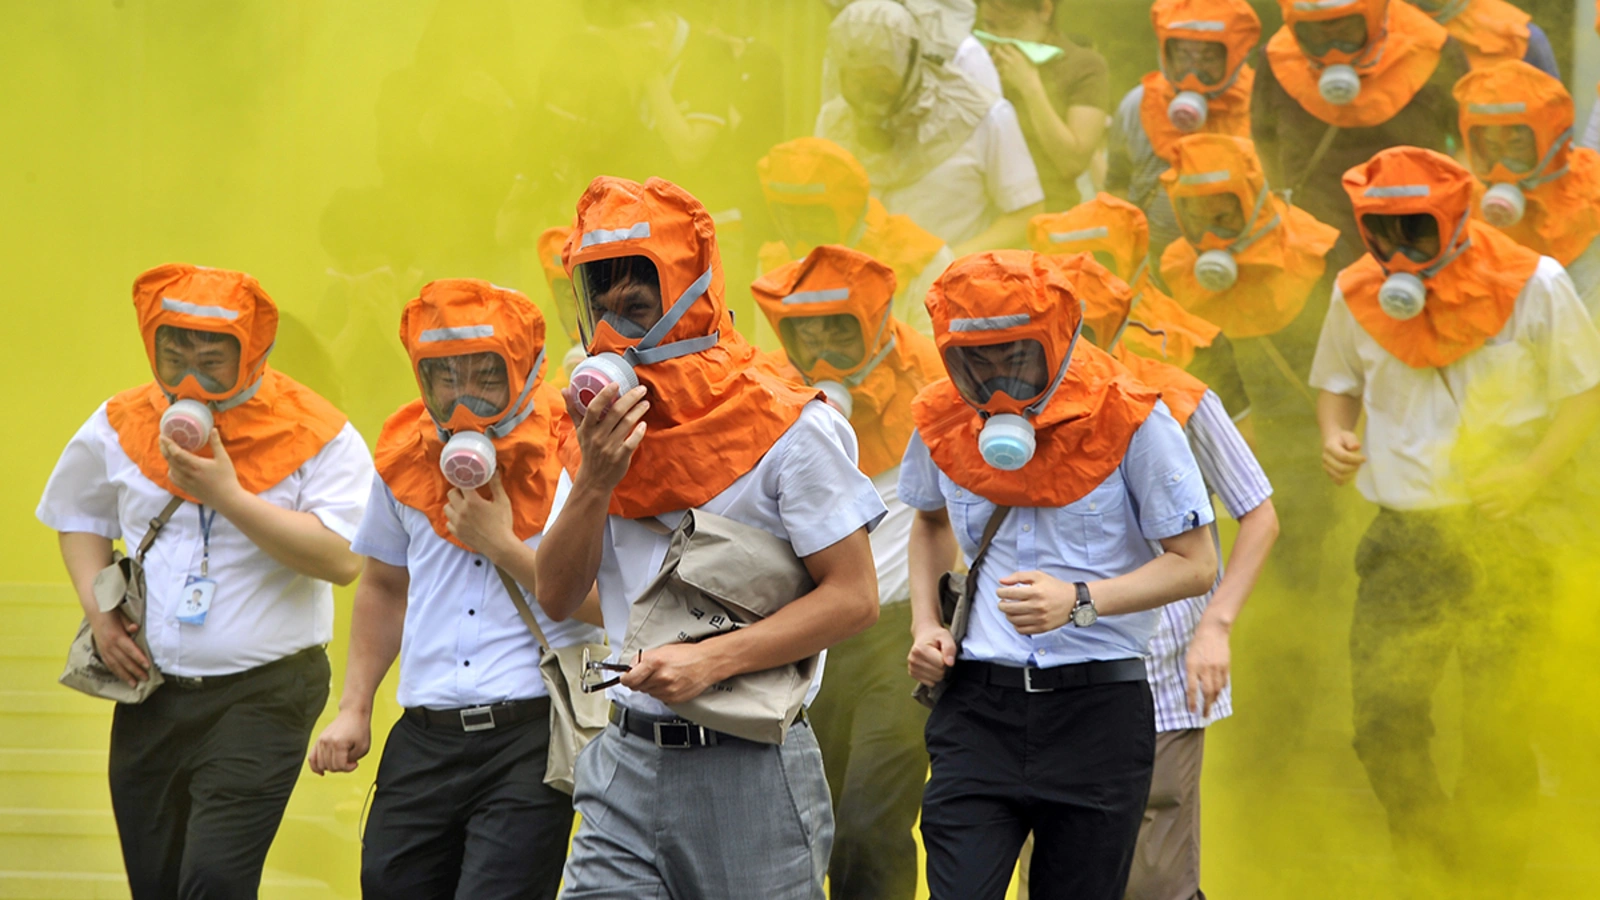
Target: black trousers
1433,583
467,815
200,777
1071,766
870,731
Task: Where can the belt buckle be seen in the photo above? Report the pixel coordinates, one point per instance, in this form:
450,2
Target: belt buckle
678,735
485,723
1027,682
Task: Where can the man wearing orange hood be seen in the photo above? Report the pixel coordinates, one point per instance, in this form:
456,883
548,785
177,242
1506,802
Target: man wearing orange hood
1533,184
1257,267
832,313
1493,31
463,810
1345,79
706,428
1202,84
1116,233
1057,475
1477,369
819,194
254,485
1189,657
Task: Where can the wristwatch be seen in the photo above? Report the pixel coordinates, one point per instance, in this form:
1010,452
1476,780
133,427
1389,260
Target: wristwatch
1083,612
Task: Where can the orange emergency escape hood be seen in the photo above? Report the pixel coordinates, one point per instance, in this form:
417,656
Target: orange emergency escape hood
1231,23
1083,429
1472,283
270,424
458,317
1280,255
1118,231
1563,188
714,409
895,361
1400,55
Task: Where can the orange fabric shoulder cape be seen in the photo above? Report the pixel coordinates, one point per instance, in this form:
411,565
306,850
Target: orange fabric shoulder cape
1409,56
408,451
1181,391
1276,275
1226,113
1563,216
1469,301
268,437
1082,434
1490,31
882,415
1181,333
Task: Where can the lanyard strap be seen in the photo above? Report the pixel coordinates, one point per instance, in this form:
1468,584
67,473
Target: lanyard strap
205,540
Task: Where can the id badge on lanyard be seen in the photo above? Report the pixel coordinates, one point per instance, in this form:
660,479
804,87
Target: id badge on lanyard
198,591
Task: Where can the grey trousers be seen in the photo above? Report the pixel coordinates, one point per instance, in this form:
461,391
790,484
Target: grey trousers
735,820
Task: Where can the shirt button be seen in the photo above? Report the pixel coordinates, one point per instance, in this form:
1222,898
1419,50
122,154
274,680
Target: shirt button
959,493
1176,478
466,662
1027,528
472,612
477,562
1093,506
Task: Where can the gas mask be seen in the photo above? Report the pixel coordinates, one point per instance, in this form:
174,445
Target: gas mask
1508,165
1340,84
996,379
1188,111
469,398
1215,268
191,366
188,424
1404,292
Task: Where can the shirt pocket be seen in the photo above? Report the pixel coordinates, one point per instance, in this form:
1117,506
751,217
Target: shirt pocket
969,513
1092,525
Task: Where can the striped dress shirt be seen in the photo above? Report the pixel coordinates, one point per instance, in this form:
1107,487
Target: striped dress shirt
1233,475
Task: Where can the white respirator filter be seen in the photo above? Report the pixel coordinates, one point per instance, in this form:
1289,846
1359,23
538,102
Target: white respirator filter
1187,111
467,460
1402,296
1216,270
838,396
188,424
1006,441
1339,85
592,375
1503,205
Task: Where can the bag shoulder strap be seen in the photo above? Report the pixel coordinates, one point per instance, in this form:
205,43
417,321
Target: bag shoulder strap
523,610
156,524
990,529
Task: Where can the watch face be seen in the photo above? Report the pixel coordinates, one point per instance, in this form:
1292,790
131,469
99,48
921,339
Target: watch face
1084,616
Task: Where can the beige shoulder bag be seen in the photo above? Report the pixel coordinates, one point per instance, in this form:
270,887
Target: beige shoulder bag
119,586
576,718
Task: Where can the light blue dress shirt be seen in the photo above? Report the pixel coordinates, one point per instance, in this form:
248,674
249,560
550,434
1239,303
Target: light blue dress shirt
1156,493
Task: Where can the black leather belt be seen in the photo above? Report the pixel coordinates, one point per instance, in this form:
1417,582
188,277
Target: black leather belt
1058,678
481,718
675,733
194,683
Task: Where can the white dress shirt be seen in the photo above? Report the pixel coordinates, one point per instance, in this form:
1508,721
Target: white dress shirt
1428,429
1154,494
891,539
464,642
261,611
991,174
805,490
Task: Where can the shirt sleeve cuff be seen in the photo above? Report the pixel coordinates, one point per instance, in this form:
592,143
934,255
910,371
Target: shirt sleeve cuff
1173,526
386,555
80,525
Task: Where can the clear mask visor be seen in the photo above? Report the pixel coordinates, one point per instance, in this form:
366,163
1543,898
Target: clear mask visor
1205,61
1514,146
211,358
1221,215
477,382
1018,369
1346,34
834,339
1413,236
623,292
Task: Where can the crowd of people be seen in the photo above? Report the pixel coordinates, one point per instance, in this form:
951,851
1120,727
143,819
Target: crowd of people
935,538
